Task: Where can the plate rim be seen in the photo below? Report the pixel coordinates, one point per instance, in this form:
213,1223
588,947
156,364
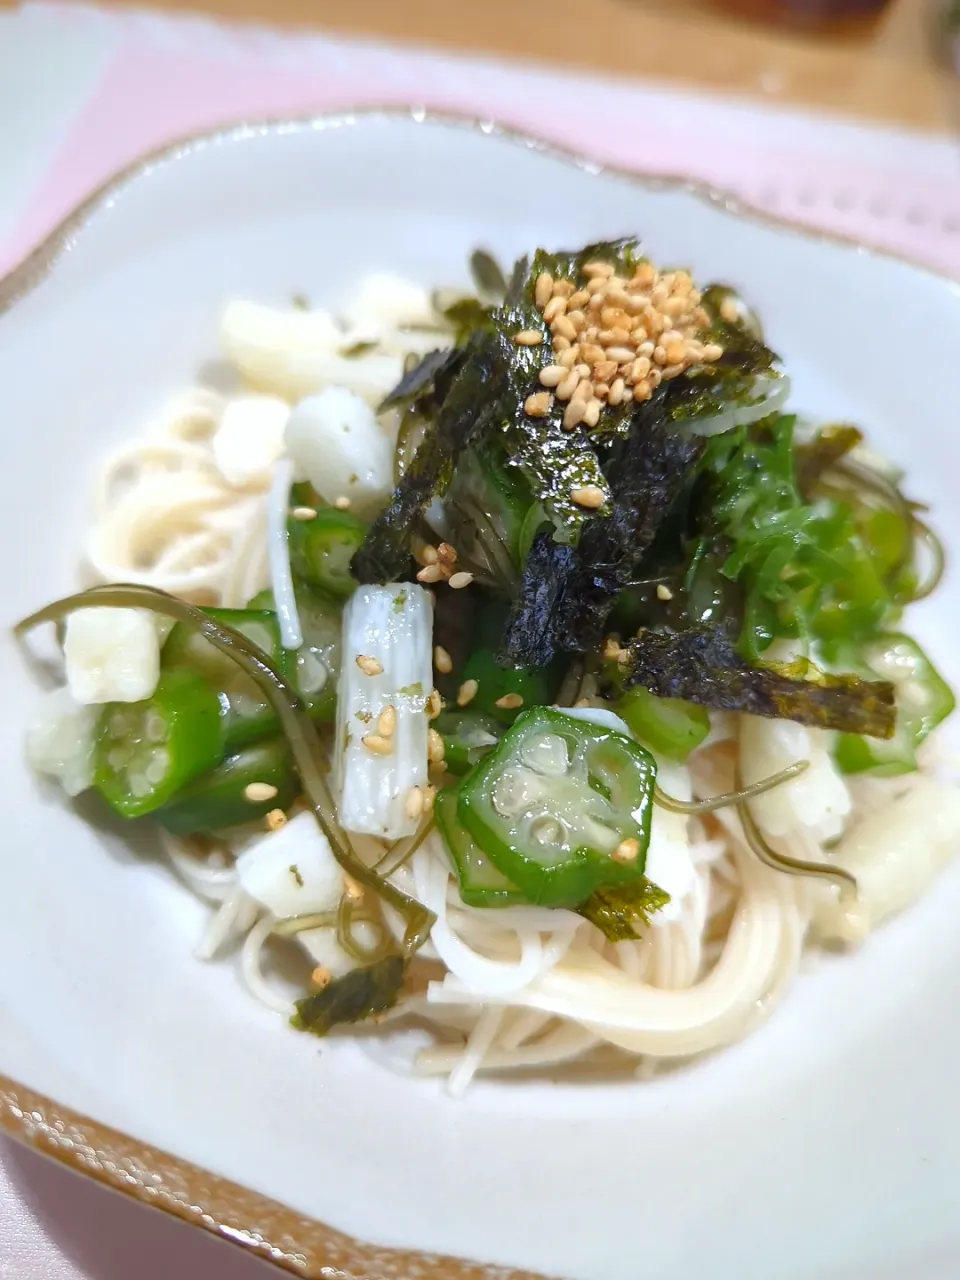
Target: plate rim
263,1226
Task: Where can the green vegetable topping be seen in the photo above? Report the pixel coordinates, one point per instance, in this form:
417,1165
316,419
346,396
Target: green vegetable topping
321,550
218,799
562,807
481,883
669,726
617,911
362,993
146,751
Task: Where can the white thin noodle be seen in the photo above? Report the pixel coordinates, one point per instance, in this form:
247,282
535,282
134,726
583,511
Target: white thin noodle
512,989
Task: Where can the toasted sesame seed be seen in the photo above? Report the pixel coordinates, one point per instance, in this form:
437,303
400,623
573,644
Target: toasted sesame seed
460,580
543,290
447,553
538,405
552,375
528,338
321,977
567,359
342,503
560,343
642,390
589,495
597,286
635,305
509,701
611,649
645,349
378,744
430,573
555,307
467,692
676,351
645,274
622,355
574,414
660,355
442,660
275,819
592,413
435,747
729,311
304,513
562,328
583,391
640,368
567,387
592,354
664,592
428,555
627,851
617,389
597,270
675,307
369,666
605,370
387,721
577,319
611,317
601,390
258,792
579,300
618,298
617,336
434,704
673,370
654,377
562,289
413,804
712,352
429,797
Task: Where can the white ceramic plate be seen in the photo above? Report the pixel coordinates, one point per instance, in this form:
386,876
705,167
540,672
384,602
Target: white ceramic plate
828,1145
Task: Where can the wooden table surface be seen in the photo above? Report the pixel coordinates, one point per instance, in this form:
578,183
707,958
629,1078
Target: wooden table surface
886,74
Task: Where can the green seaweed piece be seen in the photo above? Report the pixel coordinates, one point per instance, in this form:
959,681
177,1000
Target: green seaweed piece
619,909
359,994
702,666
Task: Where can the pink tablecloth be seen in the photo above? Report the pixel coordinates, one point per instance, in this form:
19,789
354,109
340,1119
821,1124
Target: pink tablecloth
886,187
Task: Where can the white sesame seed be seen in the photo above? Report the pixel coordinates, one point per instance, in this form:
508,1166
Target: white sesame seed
259,792
342,503
583,391
528,338
460,580
430,573
387,721
379,745
664,592
622,355
616,391
429,797
467,692
592,413
538,405
579,300
434,704
275,819
574,414
369,666
562,328
543,290
447,553
560,344
413,804
597,270
712,352
442,660
552,375
304,513
509,701
435,747
589,495
567,387
567,359
428,555
627,851
555,307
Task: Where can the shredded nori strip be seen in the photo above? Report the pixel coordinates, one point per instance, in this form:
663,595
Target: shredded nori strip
647,472
468,411
530,635
564,601
422,378
702,666
359,994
